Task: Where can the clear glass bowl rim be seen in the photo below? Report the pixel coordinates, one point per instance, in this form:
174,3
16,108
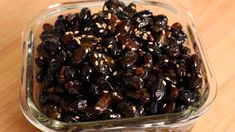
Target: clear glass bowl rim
69,5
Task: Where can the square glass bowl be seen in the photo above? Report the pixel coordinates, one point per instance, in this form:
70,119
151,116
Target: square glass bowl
182,121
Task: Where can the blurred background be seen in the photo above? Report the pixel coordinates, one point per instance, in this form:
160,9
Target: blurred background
214,19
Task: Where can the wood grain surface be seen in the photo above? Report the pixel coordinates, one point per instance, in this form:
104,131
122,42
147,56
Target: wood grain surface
215,20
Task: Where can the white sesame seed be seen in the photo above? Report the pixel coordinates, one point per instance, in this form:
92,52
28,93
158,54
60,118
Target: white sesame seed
77,117
101,30
173,86
117,35
83,35
100,55
41,57
137,32
120,8
101,62
98,108
77,40
105,91
109,27
90,36
133,108
109,15
115,73
123,46
163,32
167,78
151,49
150,43
110,69
68,32
52,60
96,63
145,34
133,7
138,20
87,50
104,25
105,49
126,28
95,16
199,75
85,29
177,65
148,32
144,37
76,32
106,77
117,21
110,46
95,55
133,49
112,61
166,60
98,25
164,105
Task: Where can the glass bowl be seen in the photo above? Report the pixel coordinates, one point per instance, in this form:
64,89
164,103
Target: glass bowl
182,121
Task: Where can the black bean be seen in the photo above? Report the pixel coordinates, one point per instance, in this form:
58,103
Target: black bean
48,27
189,97
170,107
52,111
141,96
134,82
128,43
73,87
114,5
126,109
131,9
85,15
174,92
60,24
195,81
160,21
130,57
153,107
103,103
79,54
194,64
176,27
148,60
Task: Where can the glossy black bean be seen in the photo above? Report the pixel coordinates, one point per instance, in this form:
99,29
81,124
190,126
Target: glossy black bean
129,58
79,54
85,15
160,21
134,82
189,97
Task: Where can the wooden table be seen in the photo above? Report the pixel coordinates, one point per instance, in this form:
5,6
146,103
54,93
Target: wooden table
215,20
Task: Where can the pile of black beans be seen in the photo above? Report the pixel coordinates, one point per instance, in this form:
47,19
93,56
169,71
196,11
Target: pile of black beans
117,63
